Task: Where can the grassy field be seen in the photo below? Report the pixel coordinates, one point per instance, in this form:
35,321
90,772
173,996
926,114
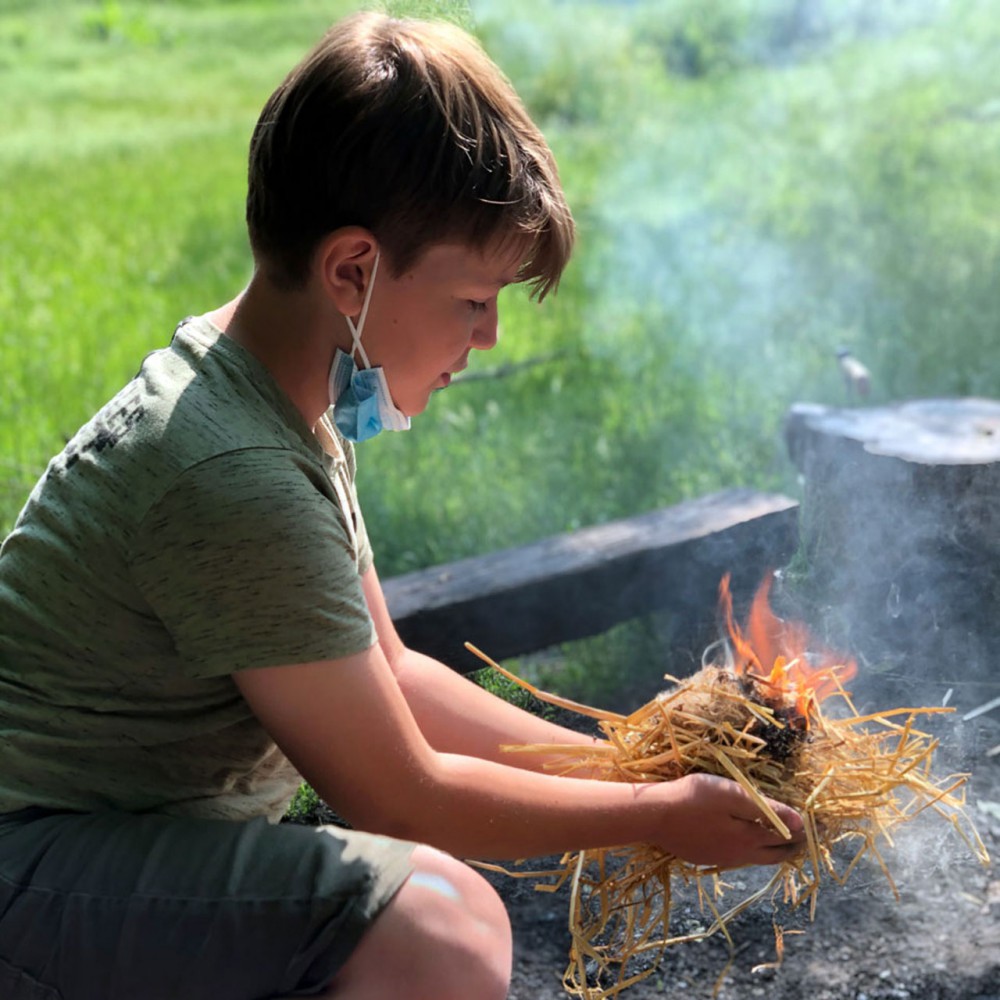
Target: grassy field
757,183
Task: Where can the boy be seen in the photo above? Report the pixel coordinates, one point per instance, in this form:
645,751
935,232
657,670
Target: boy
191,621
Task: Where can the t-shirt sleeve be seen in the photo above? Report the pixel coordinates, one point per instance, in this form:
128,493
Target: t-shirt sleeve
250,561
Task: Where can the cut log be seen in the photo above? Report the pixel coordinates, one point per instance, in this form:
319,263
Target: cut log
933,432
580,584
901,527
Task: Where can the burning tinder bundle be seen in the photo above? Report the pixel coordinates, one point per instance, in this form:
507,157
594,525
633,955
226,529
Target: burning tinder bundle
758,719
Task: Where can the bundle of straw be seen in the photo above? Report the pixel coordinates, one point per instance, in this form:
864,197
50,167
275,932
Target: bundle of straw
853,780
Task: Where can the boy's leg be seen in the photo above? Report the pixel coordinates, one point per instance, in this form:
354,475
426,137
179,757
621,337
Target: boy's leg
444,936
112,906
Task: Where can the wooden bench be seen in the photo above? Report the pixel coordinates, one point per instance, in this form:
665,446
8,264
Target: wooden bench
582,583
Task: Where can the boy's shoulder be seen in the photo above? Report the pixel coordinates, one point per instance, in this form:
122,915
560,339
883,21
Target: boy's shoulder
201,403
198,398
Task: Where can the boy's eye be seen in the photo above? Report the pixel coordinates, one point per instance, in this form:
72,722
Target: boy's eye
476,306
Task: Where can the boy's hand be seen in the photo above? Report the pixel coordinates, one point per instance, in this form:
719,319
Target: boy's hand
714,821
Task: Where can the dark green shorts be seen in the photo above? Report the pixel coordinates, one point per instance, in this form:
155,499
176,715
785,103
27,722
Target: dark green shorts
111,906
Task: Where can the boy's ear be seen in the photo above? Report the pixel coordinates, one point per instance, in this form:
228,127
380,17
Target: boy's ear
343,266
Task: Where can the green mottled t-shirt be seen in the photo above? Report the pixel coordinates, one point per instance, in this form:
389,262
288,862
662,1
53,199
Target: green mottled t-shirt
195,527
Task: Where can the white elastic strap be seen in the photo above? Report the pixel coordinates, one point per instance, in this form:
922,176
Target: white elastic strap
356,331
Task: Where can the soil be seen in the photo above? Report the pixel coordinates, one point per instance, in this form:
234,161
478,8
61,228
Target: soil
939,941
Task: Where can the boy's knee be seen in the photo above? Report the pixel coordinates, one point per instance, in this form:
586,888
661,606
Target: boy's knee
474,930
445,935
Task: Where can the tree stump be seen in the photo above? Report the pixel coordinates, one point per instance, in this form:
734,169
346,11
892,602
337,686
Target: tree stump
900,531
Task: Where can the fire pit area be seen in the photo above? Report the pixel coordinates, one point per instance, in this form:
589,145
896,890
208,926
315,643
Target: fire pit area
893,559
940,941
640,923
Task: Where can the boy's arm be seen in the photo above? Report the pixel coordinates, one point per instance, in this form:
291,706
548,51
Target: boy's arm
347,727
411,749
455,714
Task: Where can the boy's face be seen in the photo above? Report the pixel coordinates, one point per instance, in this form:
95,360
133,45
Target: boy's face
422,326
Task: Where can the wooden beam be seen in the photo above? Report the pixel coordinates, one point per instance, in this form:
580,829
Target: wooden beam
580,584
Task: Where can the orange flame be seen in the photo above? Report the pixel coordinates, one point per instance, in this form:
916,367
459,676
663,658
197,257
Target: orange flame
782,656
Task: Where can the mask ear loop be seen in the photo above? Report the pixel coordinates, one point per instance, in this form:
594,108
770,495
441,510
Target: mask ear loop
356,331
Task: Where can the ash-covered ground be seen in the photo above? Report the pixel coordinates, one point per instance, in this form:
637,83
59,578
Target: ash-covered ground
939,941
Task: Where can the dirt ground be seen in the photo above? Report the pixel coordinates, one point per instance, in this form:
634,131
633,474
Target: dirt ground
940,941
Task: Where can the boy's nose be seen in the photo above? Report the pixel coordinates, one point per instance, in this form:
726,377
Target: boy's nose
486,331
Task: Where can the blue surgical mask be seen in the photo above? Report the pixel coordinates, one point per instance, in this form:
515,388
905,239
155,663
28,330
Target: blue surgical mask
362,403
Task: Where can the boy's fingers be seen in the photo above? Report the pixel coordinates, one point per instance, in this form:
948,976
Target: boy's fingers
772,837
753,813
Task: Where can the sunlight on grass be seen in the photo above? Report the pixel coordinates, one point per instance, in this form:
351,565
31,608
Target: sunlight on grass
154,75
750,195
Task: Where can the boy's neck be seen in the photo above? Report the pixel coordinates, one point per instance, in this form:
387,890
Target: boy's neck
291,334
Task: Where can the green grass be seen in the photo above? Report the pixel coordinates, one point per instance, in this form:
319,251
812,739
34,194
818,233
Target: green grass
123,166
749,199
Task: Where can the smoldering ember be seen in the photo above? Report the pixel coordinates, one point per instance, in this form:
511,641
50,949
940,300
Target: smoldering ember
891,558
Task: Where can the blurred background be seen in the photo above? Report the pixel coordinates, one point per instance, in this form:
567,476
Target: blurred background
758,184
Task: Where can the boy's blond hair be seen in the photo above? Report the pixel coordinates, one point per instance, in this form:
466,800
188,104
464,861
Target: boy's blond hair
407,128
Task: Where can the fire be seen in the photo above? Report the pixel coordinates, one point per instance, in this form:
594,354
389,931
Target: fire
782,656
